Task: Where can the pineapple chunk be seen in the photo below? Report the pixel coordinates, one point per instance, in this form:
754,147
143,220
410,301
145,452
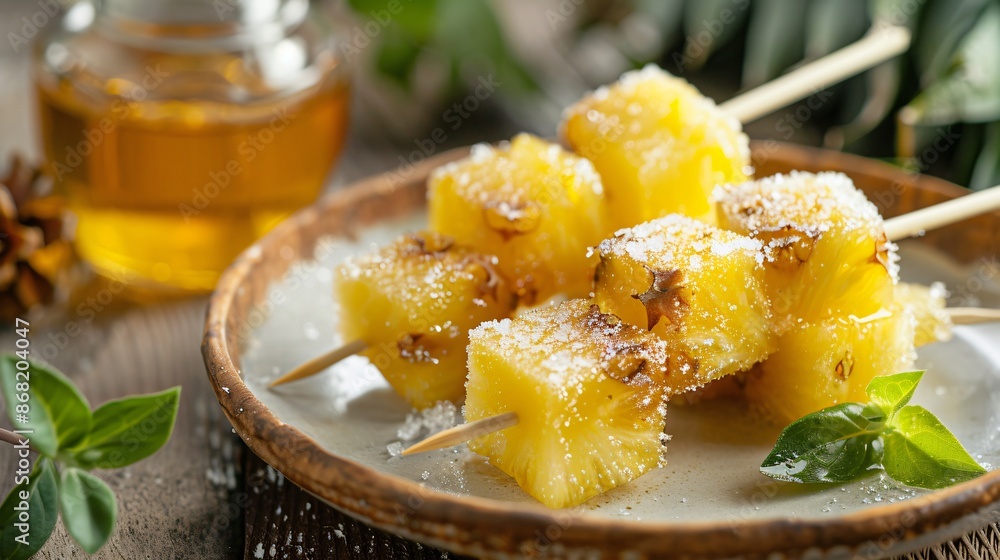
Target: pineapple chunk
826,248
806,384
698,287
822,364
660,146
804,389
927,304
532,204
588,393
413,302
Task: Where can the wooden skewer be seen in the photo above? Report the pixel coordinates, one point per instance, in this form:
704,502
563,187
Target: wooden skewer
972,315
900,227
10,437
464,433
955,210
876,47
318,364
879,45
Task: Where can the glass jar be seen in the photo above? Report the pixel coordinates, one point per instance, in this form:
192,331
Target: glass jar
180,131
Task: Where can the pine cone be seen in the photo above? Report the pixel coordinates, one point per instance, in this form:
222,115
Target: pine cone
33,250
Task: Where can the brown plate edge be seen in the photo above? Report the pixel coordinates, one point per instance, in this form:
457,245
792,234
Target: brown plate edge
486,527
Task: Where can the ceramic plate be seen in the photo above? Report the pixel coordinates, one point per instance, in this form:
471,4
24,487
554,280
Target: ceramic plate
332,434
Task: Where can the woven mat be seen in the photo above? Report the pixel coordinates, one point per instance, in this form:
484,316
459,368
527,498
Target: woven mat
983,544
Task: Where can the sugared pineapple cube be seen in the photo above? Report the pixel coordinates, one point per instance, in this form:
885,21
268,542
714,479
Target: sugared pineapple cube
660,146
795,387
818,365
588,393
827,255
532,204
700,288
413,302
927,304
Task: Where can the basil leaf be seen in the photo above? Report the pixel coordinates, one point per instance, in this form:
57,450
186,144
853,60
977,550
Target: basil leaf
920,451
836,444
708,25
833,25
892,392
775,39
128,430
57,413
986,171
25,525
966,92
942,27
467,31
88,508
893,12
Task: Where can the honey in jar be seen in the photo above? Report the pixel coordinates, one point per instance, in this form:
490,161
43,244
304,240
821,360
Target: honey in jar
180,132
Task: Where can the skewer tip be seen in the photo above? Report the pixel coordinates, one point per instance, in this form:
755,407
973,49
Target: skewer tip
319,363
463,433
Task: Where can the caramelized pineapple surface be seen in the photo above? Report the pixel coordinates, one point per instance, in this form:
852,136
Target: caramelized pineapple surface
778,394
660,146
699,288
532,204
414,301
588,393
822,364
827,255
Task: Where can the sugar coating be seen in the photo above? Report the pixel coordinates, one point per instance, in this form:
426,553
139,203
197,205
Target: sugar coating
826,250
421,424
571,342
632,83
808,202
494,173
660,145
412,302
534,205
696,286
588,393
675,240
424,423
425,273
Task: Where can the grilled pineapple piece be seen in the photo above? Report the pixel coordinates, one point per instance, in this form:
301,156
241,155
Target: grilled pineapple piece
822,364
413,302
827,255
660,146
700,288
798,379
532,204
588,393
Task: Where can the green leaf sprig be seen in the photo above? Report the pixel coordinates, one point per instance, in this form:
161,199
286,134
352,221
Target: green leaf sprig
71,440
846,441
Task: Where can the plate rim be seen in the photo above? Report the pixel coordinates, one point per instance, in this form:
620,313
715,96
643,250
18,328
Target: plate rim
469,524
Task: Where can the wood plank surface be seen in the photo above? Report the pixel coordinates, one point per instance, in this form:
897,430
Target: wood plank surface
283,521
180,502
204,496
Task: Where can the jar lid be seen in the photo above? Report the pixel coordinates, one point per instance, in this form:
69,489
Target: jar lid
207,12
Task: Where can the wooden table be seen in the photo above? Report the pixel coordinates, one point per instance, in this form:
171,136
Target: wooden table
205,495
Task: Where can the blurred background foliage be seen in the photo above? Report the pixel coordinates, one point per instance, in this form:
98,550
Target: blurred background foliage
936,109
